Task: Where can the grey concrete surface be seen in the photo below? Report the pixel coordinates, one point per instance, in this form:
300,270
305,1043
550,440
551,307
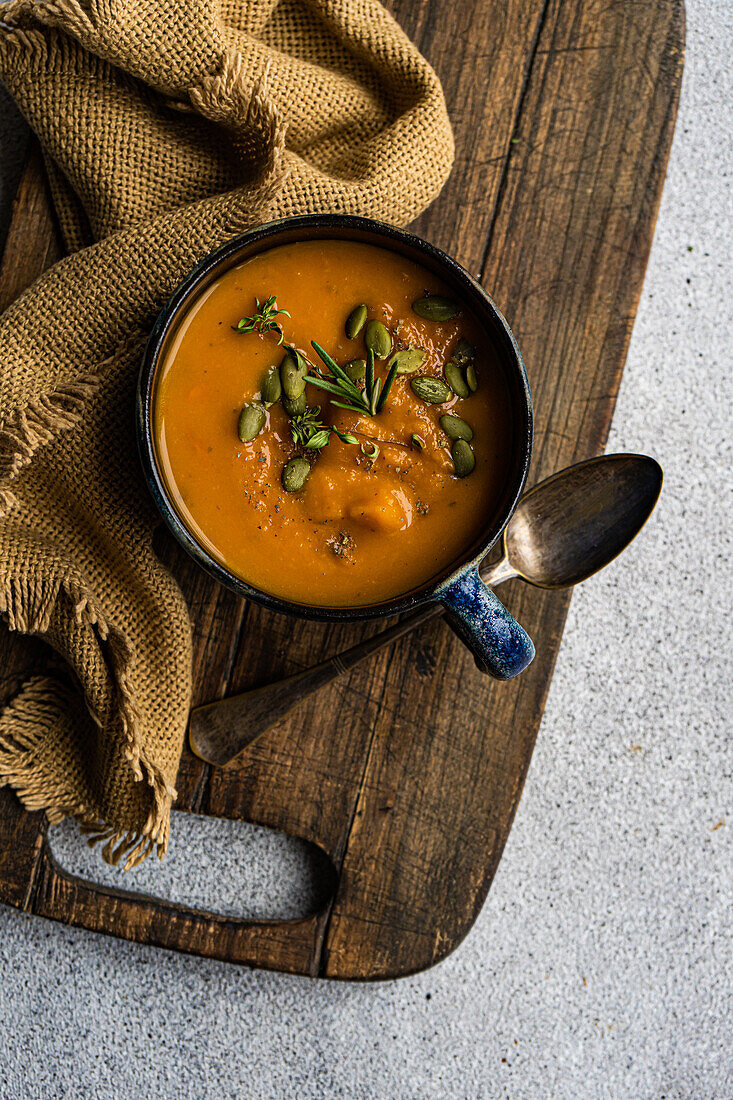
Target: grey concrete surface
601,963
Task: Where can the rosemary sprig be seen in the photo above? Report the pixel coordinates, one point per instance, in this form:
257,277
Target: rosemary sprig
367,402
263,319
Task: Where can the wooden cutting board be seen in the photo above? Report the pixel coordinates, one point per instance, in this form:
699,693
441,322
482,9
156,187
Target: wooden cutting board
408,772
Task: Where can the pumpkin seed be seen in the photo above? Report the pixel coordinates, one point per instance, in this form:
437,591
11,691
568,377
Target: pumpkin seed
356,369
464,352
355,321
456,381
464,459
295,473
436,308
471,377
455,428
378,339
271,388
295,406
251,422
292,375
432,390
408,360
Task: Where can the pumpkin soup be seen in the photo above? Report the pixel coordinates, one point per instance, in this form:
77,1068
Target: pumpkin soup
333,427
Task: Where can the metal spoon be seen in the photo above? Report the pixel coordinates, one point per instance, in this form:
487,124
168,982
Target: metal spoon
563,530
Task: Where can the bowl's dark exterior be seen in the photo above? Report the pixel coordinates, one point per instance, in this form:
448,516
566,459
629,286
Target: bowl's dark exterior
455,581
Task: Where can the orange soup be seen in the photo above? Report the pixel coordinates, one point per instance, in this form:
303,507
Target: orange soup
302,498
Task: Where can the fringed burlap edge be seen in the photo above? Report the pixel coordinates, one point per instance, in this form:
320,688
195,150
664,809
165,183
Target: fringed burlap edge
27,606
26,720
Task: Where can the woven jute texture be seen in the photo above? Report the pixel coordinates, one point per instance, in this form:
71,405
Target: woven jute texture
166,129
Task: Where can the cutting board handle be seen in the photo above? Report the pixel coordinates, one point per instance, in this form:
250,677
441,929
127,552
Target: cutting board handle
290,945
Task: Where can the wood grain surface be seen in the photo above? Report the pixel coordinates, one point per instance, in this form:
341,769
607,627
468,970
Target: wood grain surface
408,772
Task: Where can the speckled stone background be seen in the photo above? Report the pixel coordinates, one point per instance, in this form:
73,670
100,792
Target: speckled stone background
601,965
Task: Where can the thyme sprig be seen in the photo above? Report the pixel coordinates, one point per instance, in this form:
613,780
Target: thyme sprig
367,402
307,427
263,319
310,433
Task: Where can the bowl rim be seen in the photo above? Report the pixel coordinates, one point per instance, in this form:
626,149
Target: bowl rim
266,234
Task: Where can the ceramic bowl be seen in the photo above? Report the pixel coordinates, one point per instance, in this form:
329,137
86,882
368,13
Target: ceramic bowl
499,644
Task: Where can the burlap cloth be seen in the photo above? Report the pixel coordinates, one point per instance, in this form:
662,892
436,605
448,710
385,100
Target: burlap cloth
166,128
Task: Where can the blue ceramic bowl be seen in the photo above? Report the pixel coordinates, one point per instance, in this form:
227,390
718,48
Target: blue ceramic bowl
499,644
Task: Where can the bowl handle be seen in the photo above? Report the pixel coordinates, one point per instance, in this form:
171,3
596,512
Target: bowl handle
500,646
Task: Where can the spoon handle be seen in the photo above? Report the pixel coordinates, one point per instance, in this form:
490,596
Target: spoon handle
218,731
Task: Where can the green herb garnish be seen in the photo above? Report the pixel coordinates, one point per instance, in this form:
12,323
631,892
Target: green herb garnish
309,432
366,402
345,437
307,427
263,319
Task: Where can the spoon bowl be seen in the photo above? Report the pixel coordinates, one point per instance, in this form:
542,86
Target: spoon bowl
568,527
564,529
